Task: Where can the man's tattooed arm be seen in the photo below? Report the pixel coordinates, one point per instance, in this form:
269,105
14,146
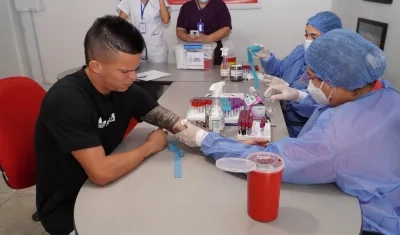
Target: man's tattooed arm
164,118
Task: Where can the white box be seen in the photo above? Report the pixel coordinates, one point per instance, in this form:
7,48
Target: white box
195,55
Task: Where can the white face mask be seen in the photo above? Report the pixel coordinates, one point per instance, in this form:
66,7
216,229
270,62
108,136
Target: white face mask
203,1
307,43
317,94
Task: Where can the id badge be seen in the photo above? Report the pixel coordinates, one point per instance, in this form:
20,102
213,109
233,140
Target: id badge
200,27
142,28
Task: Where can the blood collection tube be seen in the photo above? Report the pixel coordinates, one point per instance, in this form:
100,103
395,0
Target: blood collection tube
240,123
234,107
262,125
197,105
192,105
230,107
208,103
245,122
250,125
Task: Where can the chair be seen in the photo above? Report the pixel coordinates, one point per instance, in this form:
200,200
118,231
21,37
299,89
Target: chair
131,125
20,101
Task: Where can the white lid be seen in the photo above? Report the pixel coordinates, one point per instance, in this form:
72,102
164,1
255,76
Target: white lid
205,46
260,161
235,165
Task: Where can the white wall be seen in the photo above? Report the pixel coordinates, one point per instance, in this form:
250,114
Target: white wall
350,10
13,54
62,26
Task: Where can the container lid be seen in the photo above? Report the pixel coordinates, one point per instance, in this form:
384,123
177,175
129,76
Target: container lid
267,162
261,162
235,165
196,46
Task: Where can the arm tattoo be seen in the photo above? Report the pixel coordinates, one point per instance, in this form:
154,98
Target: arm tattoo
162,117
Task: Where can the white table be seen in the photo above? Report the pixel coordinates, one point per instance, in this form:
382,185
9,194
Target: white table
205,200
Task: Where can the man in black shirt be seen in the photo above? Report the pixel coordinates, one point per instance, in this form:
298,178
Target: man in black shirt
84,117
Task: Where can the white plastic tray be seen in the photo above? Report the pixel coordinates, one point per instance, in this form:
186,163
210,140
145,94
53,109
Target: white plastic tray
266,134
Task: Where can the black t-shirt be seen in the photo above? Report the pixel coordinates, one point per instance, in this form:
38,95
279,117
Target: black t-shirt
73,116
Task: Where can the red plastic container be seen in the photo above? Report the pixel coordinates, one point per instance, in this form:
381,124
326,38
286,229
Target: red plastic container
263,186
208,64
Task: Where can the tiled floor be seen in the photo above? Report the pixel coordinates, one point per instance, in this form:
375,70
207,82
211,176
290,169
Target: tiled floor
16,209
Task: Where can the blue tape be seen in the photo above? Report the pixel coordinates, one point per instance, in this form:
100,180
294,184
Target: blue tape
177,159
251,50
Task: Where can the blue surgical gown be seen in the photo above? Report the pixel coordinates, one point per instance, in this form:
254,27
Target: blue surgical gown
291,69
355,145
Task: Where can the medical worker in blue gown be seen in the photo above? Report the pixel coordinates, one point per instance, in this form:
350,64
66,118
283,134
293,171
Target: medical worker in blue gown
291,68
352,138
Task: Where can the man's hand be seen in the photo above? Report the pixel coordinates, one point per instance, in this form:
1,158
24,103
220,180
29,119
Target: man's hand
203,38
257,141
158,139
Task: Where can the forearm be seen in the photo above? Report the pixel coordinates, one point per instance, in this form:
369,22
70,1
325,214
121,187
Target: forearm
218,147
119,164
164,118
164,13
271,65
220,34
182,34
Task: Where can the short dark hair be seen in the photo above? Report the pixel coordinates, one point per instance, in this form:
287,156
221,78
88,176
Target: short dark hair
111,34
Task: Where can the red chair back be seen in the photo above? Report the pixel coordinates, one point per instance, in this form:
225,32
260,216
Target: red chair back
20,101
131,125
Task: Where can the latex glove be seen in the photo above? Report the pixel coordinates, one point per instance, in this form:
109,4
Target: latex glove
264,53
192,136
283,92
271,80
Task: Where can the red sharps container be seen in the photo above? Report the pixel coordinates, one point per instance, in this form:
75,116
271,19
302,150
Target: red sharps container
264,180
264,186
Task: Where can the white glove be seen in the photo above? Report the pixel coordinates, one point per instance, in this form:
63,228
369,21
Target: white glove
283,92
264,53
271,80
192,136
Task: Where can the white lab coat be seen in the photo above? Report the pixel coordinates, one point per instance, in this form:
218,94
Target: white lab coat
157,47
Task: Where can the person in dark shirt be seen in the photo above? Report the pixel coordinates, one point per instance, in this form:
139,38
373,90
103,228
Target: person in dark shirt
84,117
212,15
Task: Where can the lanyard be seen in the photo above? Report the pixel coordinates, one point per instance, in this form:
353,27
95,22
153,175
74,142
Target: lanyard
142,8
200,10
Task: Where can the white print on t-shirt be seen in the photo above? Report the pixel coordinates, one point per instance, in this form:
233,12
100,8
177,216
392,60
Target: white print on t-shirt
105,123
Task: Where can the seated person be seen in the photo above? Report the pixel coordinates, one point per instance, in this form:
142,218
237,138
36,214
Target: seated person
84,117
291,68
338,144
210,17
